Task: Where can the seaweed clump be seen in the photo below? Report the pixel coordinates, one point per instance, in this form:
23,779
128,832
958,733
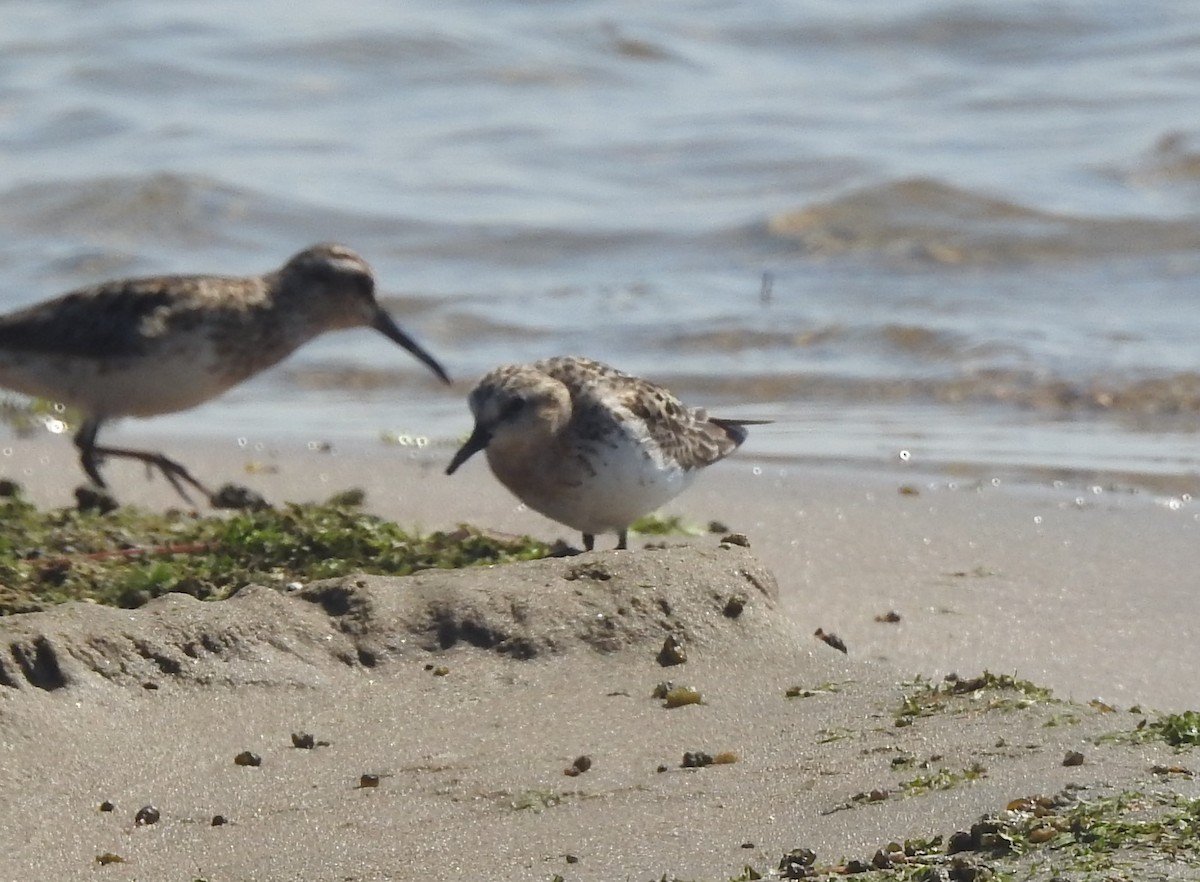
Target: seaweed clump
127,556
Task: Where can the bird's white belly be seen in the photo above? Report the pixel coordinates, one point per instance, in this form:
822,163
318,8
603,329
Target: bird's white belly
117,387
622,484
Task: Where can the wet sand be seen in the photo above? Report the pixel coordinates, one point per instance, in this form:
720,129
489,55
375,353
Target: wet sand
549,661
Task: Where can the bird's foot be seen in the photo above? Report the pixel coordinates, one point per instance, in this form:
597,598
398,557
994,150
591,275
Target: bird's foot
175,473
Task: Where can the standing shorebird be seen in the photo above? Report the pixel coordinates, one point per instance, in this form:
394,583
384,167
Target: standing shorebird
589,446
147,346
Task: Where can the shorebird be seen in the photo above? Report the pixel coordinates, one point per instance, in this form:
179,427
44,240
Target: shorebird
147,346
590,446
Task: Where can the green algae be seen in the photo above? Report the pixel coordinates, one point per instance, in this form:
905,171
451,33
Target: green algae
128,556
986,692
663,525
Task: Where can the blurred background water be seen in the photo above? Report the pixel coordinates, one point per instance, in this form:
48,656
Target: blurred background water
967,231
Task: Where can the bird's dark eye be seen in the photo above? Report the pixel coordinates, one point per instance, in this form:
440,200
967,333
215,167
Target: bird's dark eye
514,407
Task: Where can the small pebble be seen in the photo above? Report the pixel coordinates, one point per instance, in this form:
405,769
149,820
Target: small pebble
146,815
734,606
1073,758
368,781
219,820
247,758
672,652
303,741
108,806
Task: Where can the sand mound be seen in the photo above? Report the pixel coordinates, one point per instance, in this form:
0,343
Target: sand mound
603,603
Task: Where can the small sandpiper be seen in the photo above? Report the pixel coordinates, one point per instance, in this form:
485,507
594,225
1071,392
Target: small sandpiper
590,446
147,346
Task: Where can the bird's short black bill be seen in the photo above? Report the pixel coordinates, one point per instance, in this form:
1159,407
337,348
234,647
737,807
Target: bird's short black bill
478,441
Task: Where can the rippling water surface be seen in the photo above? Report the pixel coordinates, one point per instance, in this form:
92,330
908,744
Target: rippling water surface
968,231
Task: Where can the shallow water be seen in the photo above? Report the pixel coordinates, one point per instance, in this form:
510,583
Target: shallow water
979,222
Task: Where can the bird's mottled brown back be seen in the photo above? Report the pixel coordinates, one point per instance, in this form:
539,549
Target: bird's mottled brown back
602,396
112,320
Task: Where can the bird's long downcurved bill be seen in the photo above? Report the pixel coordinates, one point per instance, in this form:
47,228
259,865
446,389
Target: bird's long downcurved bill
387,326
479,439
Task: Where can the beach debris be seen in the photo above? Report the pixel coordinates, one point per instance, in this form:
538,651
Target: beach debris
739,539
368,780
592,571
830,639
536,800
988,833
1041,834
146,815
305,741
679,696
734,606
908,490
1172,770
672,652
93,499
797,863
1073,758
828,688
353,497
218,821
108,806
109,857
247,758
437,670
718,527
238,498
889,618
1177,730
698,759
578,766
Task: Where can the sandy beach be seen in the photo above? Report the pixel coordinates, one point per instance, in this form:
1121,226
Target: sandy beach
470,693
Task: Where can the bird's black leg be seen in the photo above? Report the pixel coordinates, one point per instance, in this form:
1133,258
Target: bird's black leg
589,541
90,453
85,442
621,540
